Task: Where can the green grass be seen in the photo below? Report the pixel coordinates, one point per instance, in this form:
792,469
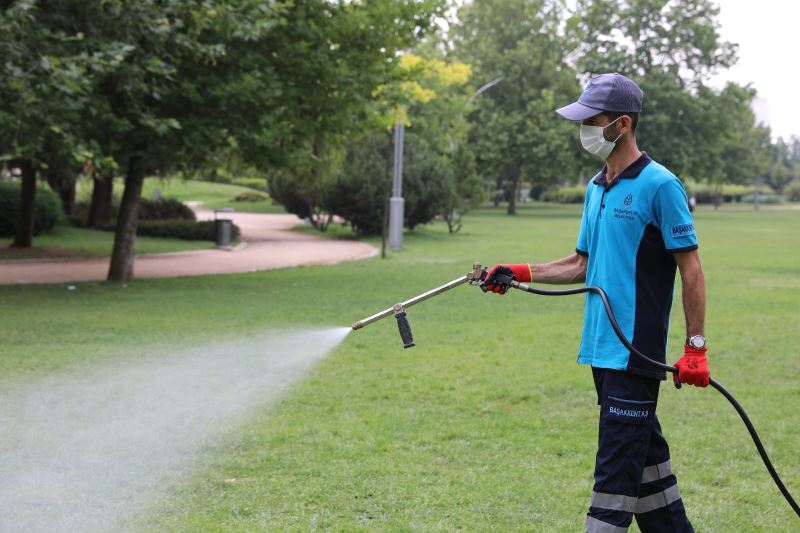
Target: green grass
213,195
66,241
488,424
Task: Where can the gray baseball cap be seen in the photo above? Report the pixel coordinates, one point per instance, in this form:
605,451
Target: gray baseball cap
605,92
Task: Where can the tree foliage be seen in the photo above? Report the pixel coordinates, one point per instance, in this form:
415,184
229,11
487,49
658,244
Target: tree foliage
678,39
516,135
670,48
305,93
438,168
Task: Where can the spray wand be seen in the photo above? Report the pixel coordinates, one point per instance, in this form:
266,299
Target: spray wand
477,277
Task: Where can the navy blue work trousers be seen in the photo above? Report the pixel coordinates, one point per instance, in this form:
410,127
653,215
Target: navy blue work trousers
633,474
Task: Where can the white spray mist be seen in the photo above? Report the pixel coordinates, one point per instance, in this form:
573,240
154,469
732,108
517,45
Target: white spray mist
86,450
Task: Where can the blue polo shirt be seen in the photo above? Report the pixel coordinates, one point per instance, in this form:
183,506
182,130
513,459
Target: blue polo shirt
629,231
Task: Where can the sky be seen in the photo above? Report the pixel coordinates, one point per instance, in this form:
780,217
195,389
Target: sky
769,41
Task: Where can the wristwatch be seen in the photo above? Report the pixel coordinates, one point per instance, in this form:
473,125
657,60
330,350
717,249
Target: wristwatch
698,342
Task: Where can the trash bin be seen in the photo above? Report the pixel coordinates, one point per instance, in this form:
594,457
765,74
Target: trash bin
223,227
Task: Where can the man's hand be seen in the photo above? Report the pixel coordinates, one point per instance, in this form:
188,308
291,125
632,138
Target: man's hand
692,367
520,272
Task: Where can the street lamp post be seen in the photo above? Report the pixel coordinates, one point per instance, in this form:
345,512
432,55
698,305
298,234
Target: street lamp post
396,202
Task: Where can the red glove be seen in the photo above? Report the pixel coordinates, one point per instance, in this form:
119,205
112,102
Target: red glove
692,367
521,273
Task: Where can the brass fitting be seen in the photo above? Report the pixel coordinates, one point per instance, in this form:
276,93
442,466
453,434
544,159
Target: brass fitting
475,276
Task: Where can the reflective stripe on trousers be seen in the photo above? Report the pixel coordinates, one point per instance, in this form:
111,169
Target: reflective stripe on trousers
593,525
629,504
656,472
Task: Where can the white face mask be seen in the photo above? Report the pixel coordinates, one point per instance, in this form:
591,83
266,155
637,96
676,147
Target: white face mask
595,143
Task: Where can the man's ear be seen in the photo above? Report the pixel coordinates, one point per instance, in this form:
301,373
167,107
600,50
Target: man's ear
625,124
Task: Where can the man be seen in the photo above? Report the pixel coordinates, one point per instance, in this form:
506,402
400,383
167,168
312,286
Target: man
636,228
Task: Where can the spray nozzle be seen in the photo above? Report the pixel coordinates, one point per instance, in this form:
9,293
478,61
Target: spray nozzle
474,277
403,326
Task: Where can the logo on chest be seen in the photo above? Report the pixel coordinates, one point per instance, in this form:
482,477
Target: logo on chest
624,213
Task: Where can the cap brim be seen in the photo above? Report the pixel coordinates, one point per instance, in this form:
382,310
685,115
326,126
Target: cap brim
578,111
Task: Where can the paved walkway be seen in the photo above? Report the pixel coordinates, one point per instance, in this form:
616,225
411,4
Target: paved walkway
266,243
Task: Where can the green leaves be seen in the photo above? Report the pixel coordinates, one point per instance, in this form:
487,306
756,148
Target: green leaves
517,134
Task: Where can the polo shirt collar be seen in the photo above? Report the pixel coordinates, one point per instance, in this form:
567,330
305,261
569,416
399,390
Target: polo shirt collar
632,171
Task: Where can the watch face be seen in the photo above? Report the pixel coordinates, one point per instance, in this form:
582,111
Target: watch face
697,342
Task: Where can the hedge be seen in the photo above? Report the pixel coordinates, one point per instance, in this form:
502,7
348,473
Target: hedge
48,209
565,195
161,209
182,229
164,209
705,193
251,196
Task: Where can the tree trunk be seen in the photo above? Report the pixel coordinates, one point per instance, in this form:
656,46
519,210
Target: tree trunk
498,186
102,193
27,211
121,269
512,200
62,181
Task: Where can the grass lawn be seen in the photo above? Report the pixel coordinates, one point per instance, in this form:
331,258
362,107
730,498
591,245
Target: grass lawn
66,241
488,424
213,195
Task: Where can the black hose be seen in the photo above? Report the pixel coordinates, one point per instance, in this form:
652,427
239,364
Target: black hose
613,320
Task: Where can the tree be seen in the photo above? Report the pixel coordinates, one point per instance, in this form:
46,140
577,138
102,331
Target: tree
360,190
45,83
162,105
668,48
729,147
438,96
438,170
783,164
515,132
639,38
318,77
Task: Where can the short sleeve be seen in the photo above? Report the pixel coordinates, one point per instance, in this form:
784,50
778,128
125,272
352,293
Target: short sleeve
582,247
672,215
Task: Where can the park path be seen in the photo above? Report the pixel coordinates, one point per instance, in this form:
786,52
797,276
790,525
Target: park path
267,242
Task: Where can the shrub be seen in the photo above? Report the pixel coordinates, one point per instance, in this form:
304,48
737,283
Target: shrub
565,195
359,192
251,196
259,184
164,209
48,209
183,229
290,193
792,191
